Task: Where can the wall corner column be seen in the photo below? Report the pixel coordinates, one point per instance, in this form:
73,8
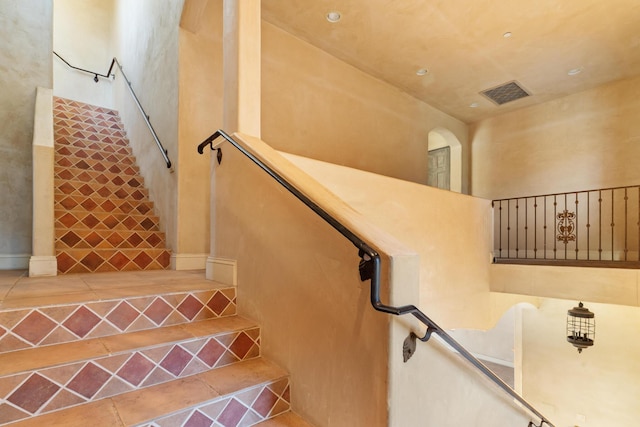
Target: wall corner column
43,260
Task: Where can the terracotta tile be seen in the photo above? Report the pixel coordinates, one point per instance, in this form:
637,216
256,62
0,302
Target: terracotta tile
113,387
265,402
211,352
142,405
136,369
198,419
92,261
190,307
158,311
82,321
62,400
33,393
100,413
34,327
89,380
59,335
218,303
123,315
157,376
61,374
8,414
232,414
176,360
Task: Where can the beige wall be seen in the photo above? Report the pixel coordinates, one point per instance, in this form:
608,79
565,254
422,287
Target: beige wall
200,115
298,278
317,106
83,36
580,142
443,227
25,63
146,44
598,387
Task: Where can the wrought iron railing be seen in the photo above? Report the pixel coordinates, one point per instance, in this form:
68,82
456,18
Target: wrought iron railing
145,116
370,268
593,227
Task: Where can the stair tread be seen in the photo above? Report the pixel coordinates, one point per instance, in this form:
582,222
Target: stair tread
32,292
288,419
143,405
60,354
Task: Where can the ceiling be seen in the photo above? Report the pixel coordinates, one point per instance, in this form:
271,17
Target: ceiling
462,45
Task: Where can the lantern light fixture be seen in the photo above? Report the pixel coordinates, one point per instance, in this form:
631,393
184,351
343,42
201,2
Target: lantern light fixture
581,327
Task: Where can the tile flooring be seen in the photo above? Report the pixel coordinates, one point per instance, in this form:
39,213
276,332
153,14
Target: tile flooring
103,217
192,362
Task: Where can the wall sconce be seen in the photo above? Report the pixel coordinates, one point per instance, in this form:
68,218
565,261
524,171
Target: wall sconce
581,327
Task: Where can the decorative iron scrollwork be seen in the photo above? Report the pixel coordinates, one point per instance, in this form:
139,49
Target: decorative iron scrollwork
566,227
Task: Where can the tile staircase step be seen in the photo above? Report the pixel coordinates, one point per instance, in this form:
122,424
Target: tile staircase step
240,394
44,379
103,190
288,419
89,176
81,119
95,142
77,153
108,239
106,260
79,219
94,165
101,204
65,104
106,311
82,131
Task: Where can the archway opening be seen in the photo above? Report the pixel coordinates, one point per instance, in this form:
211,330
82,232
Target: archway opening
440,138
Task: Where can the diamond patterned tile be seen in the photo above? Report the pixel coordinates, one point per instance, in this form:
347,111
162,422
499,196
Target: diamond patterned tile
265,402
232,414
89,380
34,327
190,307
82,321
198,419
136,369
33,393
176,360
158,311
211,352
241,345
123,315
218,303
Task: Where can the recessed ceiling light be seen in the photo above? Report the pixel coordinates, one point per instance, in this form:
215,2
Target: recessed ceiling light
507,34
422,72
474,105
334,16
575,71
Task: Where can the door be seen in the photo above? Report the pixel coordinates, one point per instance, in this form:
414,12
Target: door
439,168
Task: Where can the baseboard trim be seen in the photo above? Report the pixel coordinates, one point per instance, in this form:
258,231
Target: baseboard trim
14,261
43,266
188,261
222,270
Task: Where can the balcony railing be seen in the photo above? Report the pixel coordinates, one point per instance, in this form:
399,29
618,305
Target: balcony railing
598,228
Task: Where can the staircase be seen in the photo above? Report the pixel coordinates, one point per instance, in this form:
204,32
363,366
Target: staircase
103,217
153,349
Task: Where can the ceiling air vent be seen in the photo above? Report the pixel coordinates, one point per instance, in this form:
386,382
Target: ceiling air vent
505,93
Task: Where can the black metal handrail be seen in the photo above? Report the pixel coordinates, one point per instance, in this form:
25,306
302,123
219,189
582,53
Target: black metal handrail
95,74
115,61
370,270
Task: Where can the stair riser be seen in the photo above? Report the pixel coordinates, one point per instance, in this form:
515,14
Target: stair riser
79,219
98,178
56,324
243,409
85,131
54,388
101,204
107,239
98,143
63,118
79,188
71,261
76,154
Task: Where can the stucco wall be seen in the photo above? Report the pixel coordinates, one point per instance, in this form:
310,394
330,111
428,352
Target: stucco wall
595,388
146,44
83,36
583,141
317,106
200,115
25,63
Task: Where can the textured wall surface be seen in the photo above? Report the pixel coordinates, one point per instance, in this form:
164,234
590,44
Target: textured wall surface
315,105
584,141
25,63
93,19
147,45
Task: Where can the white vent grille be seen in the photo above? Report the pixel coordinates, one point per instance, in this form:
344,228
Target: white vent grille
505,93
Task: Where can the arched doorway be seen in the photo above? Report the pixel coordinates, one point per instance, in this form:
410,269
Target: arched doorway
445,154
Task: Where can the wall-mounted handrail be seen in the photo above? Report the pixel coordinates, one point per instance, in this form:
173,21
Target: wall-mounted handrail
163,151
115,61
95,74
370,267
